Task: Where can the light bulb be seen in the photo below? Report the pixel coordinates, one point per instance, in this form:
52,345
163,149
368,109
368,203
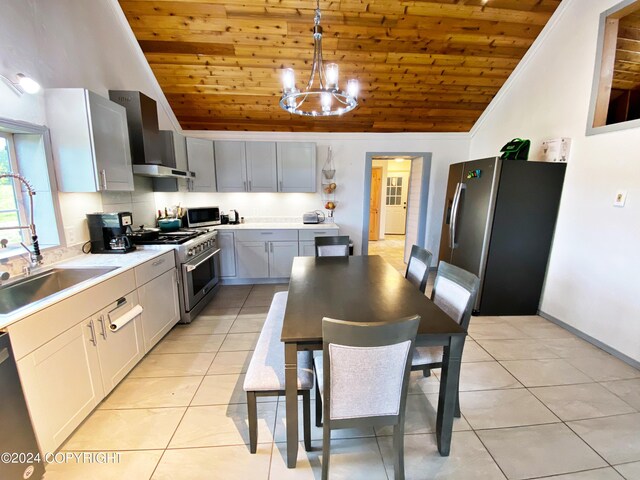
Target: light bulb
325,100
332,75
291,101
288,79
28,84
353,88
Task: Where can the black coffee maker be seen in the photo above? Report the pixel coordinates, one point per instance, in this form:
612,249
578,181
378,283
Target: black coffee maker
108,232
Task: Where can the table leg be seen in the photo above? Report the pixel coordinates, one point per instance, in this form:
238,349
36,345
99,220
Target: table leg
449,380
291,395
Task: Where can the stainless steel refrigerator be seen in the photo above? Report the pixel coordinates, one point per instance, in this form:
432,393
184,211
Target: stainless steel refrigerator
498,223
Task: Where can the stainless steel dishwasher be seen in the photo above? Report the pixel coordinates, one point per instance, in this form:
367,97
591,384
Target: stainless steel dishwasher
18,446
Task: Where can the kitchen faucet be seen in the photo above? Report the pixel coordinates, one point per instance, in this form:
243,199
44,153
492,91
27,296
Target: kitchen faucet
35,257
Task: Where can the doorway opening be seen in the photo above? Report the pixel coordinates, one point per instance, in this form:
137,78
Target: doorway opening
396,192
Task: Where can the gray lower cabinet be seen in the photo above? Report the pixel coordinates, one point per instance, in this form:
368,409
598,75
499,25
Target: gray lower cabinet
281,255
226,242
307,243
296,167
252,259
200,157
159,298
90,141
307,249
265,253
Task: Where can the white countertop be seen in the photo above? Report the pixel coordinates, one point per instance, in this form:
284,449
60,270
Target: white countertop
122,262
279,226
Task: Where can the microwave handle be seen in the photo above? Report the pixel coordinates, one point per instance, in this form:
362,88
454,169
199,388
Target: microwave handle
191,268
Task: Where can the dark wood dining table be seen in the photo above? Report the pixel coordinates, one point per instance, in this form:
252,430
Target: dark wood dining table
363,289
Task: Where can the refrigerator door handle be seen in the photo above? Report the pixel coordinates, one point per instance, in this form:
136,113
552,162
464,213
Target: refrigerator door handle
454,215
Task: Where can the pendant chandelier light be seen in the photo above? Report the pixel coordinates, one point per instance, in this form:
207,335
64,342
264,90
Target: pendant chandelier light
326,99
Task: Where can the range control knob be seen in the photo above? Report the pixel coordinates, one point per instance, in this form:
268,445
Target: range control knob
190,252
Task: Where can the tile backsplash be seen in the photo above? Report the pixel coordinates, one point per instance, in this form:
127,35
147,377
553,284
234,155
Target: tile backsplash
140,202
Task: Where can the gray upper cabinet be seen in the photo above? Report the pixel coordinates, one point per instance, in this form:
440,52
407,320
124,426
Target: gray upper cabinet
231,168
246,166
296,167
90,141
261,167
201,161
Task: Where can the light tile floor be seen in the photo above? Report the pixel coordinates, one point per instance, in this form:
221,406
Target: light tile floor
537,402
391,249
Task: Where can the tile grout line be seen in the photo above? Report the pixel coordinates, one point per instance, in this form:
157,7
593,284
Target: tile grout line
194,396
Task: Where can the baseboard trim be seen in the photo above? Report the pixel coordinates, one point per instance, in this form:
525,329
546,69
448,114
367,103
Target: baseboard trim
252,281
591,340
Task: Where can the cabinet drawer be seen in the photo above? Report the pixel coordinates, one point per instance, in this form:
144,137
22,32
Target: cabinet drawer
154,268
37,329
309,234
266,235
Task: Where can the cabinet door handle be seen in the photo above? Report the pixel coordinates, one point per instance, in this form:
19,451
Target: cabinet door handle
92,330
158,262
280,185
102,327
266,233
271,246
266,247
249,185
103,174
245,185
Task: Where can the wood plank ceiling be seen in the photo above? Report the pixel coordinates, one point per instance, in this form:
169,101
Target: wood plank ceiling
423,66
626,74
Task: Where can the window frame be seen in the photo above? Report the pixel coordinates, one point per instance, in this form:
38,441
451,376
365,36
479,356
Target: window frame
13,128
18,195
599,85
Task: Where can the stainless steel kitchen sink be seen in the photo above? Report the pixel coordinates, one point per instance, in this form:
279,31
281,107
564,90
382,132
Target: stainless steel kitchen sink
39,286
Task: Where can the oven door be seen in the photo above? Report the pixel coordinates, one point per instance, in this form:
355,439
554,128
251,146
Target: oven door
199,276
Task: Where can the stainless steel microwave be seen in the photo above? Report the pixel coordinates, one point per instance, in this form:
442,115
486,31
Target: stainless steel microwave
201,217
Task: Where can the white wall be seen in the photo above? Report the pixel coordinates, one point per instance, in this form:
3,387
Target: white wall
71,43
349,153
592,281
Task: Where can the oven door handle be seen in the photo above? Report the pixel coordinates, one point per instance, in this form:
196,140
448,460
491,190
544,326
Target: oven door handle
191,268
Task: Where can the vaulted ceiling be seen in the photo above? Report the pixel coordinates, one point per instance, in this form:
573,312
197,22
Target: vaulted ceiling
627,64
423,66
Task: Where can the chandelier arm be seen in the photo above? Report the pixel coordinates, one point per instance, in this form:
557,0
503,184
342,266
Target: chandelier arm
339,99
314,64
323,80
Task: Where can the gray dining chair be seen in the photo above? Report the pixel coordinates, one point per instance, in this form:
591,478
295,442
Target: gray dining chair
455,291
337,246
372,396
418,267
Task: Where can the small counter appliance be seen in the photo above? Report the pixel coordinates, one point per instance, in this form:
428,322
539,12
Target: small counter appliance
108,232
196,217
234,217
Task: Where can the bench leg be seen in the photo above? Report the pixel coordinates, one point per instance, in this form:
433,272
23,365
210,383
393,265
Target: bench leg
253,421
306,418
318,407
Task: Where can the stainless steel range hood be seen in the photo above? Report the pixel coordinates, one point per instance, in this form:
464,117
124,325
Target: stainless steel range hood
154,152
160,171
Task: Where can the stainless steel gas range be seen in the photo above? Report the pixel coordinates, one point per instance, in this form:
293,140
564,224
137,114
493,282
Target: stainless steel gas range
197,257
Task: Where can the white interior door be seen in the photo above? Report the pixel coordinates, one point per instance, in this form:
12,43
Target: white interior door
396,203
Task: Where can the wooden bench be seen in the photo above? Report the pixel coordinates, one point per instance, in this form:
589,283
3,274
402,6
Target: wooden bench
265,375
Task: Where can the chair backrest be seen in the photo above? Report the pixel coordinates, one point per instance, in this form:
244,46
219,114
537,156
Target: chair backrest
366,368
418,267
337,246
455,291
